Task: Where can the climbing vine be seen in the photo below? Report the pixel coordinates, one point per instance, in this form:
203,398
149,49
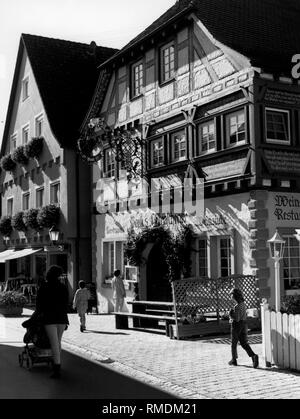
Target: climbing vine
175,248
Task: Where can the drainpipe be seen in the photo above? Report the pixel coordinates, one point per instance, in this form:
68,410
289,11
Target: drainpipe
78,224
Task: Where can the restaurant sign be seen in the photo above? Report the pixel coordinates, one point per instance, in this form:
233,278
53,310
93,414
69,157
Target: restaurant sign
287,207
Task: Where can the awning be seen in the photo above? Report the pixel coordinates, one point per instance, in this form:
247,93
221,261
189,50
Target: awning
5,254
22,253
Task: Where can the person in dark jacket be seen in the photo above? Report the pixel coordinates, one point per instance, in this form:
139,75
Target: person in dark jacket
52,305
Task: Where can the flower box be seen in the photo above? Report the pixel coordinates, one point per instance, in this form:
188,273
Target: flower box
11,311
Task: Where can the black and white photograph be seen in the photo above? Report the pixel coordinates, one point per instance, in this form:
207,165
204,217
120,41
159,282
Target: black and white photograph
150,203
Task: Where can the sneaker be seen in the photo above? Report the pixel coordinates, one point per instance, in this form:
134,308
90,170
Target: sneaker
81,329
233,362
255,361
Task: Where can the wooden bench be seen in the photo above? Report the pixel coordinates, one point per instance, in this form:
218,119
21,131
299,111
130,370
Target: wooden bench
167,312
122,320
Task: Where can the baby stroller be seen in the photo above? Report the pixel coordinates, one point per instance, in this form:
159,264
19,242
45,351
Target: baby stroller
37,349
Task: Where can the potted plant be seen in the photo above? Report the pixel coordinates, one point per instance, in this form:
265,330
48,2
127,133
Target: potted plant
7,163
12,303
17,222
48,216
18,155
5,226
30,219
34,147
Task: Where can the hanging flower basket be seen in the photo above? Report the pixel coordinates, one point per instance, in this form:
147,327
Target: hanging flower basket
17,222
7,163
5,226
34,147
18,156
30,219
48,216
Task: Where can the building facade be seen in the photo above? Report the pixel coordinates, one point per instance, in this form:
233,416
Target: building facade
49,74
205,85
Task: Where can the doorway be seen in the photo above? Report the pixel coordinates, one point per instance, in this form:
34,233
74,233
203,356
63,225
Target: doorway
158,286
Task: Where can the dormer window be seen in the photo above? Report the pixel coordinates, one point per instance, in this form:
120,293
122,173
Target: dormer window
137,81
25,88
167,62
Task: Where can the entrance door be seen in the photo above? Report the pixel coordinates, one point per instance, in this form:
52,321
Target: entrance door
158,287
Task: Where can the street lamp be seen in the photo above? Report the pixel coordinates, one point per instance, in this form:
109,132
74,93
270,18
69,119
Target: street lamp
276,244
54,234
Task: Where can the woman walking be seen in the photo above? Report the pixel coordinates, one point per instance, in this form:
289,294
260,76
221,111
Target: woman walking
52,305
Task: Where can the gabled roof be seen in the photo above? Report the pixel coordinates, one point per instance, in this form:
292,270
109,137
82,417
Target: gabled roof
66,75
266,31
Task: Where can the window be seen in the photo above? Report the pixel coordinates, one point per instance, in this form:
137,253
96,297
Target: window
207,137
25,88
39,197
55,193
109,163
167,62
39,126
137,79
26,201
13,142
25,134
202,256
236,128
225,257
157,152
277,126
291,263
113,258
178,146
10,206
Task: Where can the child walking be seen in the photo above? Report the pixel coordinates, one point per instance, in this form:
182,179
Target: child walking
80,303
239,328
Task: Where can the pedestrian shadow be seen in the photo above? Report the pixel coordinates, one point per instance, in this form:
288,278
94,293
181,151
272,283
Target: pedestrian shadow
82,378
101,332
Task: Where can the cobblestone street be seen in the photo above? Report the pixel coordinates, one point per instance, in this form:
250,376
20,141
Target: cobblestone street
194,368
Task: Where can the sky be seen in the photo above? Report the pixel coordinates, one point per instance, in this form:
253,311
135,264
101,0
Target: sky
110,23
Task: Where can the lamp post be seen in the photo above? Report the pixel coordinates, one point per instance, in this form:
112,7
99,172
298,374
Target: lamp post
276,244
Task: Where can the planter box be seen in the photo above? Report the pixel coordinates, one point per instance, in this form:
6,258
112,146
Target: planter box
208,328
11,311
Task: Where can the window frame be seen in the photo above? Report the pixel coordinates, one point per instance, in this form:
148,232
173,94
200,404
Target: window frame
37,119
25,82
172,148
25,195
111,250
230,257
273,140
199,145
26,128
290,290
134,93
162,72
106,172
152,143
38,189
227,127
8,200
52,184
13,136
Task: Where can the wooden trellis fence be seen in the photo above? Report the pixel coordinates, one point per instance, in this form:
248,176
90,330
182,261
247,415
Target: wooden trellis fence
199,299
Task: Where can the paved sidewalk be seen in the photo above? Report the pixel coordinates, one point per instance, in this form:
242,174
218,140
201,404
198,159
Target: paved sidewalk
196,369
